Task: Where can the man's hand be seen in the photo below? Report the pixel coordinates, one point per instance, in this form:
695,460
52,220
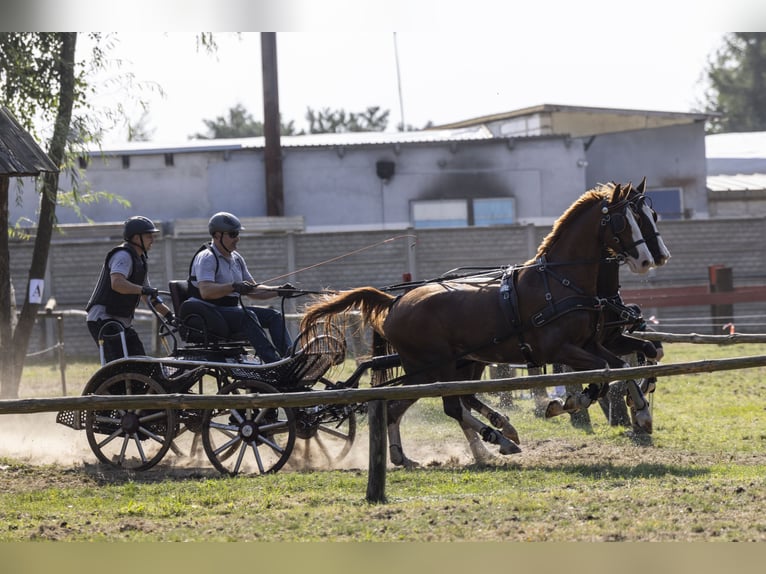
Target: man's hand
287,290
150,291
242,287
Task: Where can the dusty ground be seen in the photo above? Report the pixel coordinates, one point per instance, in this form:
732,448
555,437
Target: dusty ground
57,455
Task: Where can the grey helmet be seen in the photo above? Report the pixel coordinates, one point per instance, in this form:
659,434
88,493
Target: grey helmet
137,225
223,222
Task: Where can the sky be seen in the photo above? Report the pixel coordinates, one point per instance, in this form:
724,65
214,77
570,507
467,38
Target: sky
457,59
441,76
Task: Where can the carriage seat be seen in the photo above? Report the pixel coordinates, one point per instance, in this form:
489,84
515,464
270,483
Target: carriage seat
200,321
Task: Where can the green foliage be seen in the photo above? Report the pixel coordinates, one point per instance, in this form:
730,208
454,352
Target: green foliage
373,119
239,124
737,76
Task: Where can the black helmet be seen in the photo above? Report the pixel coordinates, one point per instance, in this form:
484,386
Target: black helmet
137,225
223,222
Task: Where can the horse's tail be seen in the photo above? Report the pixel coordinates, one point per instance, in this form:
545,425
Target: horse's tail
372,303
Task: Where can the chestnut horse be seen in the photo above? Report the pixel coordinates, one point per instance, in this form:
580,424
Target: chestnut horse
545,311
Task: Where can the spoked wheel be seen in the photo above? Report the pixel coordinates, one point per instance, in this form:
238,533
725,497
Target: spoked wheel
248,440
326,435
131,439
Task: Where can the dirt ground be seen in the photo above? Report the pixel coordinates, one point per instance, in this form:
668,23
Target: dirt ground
57,455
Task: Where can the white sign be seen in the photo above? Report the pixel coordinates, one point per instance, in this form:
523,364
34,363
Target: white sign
36,288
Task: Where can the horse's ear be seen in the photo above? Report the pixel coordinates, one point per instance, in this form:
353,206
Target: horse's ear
642,186
616,194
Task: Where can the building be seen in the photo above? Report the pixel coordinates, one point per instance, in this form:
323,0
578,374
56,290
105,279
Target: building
523,167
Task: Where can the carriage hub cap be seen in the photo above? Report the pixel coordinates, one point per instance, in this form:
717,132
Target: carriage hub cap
247,431
129,423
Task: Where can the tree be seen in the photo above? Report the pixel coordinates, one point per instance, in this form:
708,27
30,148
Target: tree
737,76
37,73
239,124
373,119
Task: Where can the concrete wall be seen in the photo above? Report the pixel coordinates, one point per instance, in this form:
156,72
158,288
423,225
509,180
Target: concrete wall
669,157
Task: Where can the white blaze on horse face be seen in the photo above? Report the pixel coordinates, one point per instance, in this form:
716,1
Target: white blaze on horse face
644,261
664,251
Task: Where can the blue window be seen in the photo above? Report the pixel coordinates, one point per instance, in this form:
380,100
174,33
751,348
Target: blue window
481,212
667,202
493,211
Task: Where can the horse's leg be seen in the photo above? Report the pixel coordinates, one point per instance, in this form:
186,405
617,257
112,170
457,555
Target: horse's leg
613,404
395,411
495,418
580,359
579,418
473,428
640,413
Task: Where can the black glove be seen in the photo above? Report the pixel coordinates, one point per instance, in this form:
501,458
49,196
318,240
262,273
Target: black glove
151,291
242,287
287,290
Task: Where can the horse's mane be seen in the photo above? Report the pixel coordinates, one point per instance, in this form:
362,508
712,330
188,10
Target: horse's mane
598,193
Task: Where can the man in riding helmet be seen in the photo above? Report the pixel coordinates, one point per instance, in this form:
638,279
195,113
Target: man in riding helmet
219,275
122,283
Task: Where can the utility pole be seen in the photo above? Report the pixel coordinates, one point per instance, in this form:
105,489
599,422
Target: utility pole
275,201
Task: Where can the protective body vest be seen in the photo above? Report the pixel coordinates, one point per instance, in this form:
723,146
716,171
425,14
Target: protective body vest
226,301
117,304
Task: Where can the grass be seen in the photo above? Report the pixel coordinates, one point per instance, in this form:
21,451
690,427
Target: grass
701,477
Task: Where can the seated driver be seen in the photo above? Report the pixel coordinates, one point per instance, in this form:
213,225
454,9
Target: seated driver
219,275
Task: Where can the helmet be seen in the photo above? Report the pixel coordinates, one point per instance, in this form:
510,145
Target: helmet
136,225
223,222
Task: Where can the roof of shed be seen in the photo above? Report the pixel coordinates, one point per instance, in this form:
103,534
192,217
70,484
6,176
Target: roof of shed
475,133
739,182
19,153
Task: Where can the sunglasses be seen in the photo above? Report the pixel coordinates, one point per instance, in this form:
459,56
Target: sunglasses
232,234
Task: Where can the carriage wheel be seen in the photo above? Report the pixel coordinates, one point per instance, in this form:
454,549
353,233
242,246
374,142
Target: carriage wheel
131,439
248,440
324,442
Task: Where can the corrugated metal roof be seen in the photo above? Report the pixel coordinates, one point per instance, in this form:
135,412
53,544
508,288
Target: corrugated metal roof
476,133
19,153
739,182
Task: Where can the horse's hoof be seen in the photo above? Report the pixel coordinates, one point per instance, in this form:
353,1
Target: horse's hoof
510,433
509,447
554,409
643,421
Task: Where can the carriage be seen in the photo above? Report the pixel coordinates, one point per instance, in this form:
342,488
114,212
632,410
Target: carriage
551,310
204,357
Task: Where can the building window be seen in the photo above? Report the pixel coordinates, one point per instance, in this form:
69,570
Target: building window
482,212
125,162
493,211
83,162
169,159
667,202
440,213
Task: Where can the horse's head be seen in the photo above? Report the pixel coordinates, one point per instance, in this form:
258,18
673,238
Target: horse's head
621,232
641,205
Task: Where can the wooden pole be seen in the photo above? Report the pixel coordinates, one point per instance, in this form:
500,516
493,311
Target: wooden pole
275,203
376,474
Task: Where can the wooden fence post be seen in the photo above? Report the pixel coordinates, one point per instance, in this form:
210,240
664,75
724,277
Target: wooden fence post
376,474
721,281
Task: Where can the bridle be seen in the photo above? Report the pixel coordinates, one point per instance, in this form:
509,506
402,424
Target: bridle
617,223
